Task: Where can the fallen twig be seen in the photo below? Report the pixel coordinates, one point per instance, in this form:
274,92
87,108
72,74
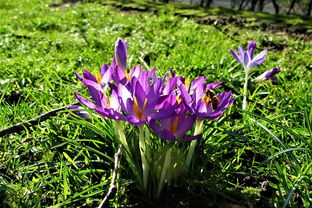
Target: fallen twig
32,122
112,188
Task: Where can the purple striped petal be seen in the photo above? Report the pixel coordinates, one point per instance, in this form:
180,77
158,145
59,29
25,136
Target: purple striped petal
121,54
110,113
251,47
85,101
211,86
235,55
79,111
89,76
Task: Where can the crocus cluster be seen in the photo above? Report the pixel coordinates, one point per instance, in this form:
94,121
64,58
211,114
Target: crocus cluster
169,105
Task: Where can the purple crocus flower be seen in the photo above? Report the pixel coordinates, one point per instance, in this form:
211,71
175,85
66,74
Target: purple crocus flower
139,98
247,58
268,75
174,127
98,80
97,86
203,101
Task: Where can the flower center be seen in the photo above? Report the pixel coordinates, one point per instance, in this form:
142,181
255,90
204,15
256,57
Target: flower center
139,113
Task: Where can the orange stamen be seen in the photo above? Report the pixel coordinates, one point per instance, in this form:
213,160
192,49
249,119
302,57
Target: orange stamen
97,76
128,77
173,126
139,113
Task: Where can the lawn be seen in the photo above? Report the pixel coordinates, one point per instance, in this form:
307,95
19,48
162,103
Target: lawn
260,157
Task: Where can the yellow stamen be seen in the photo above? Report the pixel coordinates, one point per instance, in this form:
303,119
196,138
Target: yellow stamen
187,83
98,76
139,113
179,100
128,77
173,126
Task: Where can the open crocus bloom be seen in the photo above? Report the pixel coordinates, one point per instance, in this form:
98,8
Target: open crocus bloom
203,101
139,98
268,75
247,58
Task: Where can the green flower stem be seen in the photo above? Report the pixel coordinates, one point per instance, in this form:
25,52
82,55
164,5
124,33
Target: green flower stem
245,90
198,130
143,152
164,172
122,136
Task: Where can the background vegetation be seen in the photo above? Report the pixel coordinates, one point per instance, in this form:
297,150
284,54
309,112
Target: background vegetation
66,161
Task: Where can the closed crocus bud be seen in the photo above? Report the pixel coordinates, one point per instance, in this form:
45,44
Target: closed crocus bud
121,49
79,111
268,75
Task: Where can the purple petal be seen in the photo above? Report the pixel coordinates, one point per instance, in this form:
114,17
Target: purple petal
241,52
119,75
113,101
97,96
259,58
235,55
258,62
163,133
163,114
79,111
184,94
185,125
211,86
89,76
135,121
106,74
170,86
270,74
110,113
197,82
251,47
88,82
85,101
126,99
121,54
246,59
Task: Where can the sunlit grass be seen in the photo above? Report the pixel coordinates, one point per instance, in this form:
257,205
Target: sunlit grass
67,161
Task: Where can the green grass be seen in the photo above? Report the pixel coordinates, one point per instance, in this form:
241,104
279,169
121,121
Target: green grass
67,161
